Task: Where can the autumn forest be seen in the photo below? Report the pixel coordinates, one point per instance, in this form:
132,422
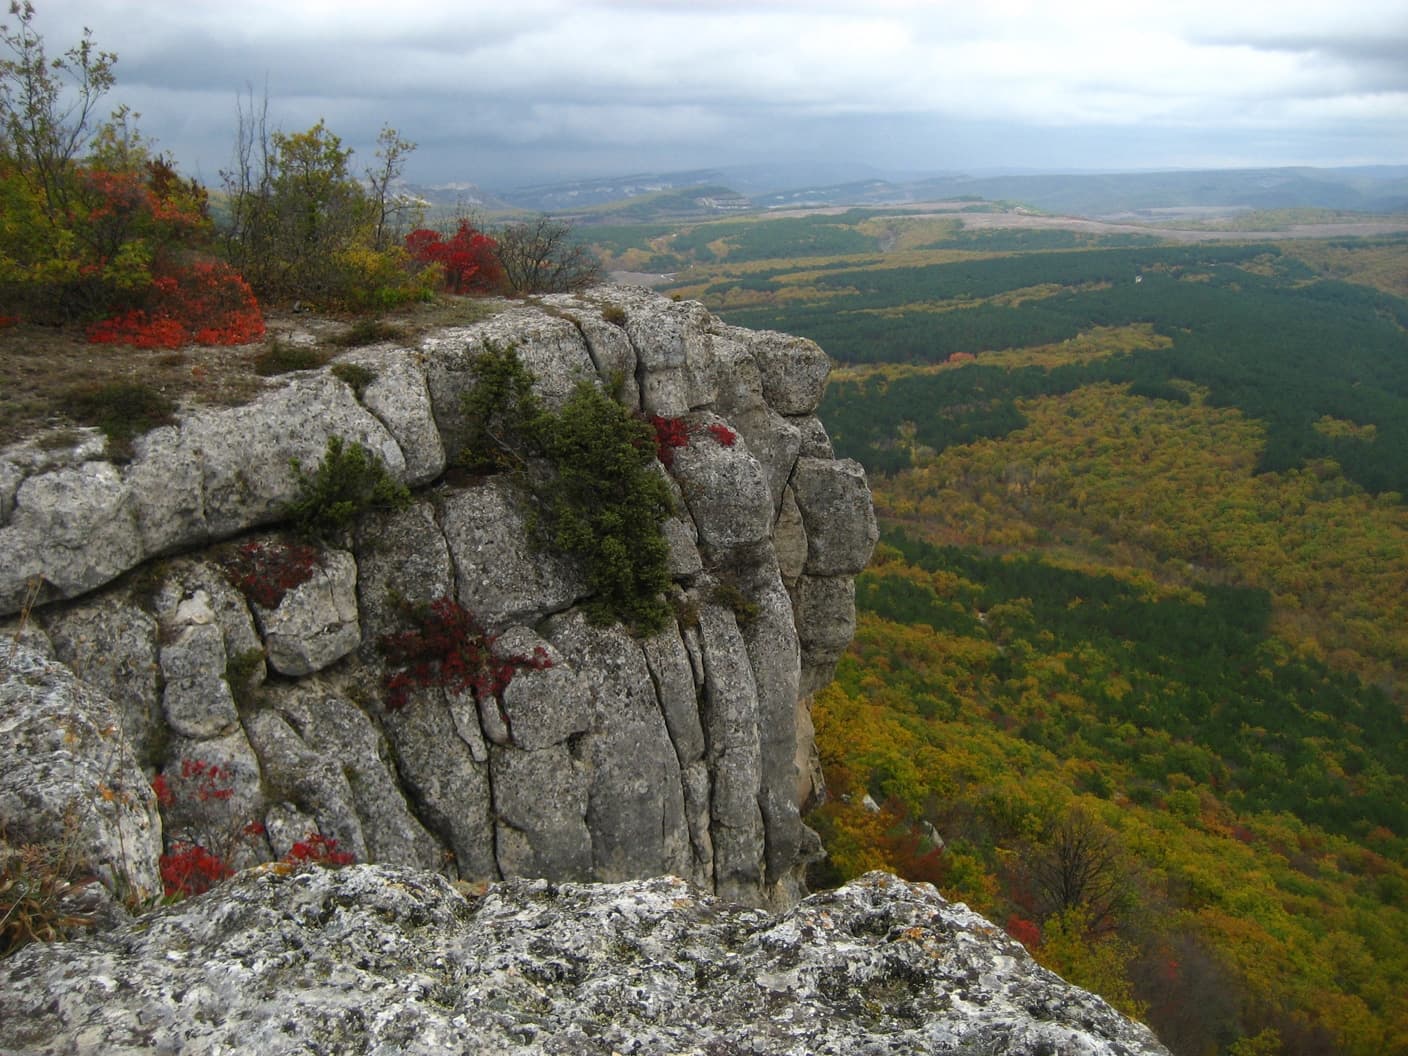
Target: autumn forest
1131,666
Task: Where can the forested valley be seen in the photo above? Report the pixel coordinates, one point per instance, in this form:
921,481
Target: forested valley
1131,666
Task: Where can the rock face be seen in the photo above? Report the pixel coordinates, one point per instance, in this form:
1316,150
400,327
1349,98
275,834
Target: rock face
379,959
617,757
68,778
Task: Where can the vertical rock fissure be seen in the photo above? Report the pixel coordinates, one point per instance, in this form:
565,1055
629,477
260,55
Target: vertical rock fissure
591,349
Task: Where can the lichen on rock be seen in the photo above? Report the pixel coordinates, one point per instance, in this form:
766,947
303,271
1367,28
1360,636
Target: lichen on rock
385,959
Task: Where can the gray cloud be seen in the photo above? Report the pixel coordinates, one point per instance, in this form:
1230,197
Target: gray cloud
495,92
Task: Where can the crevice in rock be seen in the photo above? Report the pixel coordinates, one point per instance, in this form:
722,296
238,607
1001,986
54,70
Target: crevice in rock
390,434
577,746
657,689
587,343
642,371
437,515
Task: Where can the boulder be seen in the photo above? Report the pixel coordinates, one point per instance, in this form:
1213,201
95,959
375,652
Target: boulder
550,346
168,492
610,349
246,454
725,489
446,780
299,776
794,371
399,398
75,527
635,810
196,700
826,623
729,709
541,706
111,644
834,500
504,576
402,557
674,357
335,730
540,812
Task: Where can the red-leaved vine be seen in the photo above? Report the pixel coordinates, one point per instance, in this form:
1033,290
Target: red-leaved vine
194,863
317,849
723,434
448,648
265,571
189,869
673,433
670,433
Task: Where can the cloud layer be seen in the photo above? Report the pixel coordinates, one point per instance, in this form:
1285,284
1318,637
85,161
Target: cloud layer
538,89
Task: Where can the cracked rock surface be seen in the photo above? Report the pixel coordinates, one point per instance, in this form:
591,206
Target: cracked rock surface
619,758
380,959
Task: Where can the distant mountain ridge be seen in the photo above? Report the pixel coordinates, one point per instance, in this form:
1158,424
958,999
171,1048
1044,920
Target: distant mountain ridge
1104,195
712,192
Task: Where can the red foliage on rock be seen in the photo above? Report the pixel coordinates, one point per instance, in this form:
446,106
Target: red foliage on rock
449,649
265,571
670,433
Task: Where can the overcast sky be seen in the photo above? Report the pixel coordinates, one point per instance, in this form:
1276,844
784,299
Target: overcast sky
507,92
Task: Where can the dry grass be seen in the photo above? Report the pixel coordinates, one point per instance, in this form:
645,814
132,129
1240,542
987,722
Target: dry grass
42,367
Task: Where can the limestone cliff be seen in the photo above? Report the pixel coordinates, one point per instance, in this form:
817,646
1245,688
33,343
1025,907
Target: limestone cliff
685,752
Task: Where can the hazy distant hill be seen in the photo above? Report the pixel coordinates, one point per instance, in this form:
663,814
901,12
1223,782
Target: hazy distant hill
705,192
575,195
1373,190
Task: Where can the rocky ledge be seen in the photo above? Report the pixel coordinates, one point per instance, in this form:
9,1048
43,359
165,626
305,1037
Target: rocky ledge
613,757
381,960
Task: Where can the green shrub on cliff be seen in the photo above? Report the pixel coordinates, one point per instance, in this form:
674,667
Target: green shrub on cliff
348,481
590,465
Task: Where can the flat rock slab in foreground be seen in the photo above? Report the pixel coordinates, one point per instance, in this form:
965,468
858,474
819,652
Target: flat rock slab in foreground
381,960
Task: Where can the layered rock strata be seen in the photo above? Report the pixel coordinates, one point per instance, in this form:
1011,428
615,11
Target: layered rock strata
619,757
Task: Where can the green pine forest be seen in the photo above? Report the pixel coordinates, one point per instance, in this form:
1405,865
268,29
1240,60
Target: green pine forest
1131,666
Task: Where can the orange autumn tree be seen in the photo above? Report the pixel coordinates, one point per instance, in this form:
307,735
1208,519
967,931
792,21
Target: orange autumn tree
94,228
